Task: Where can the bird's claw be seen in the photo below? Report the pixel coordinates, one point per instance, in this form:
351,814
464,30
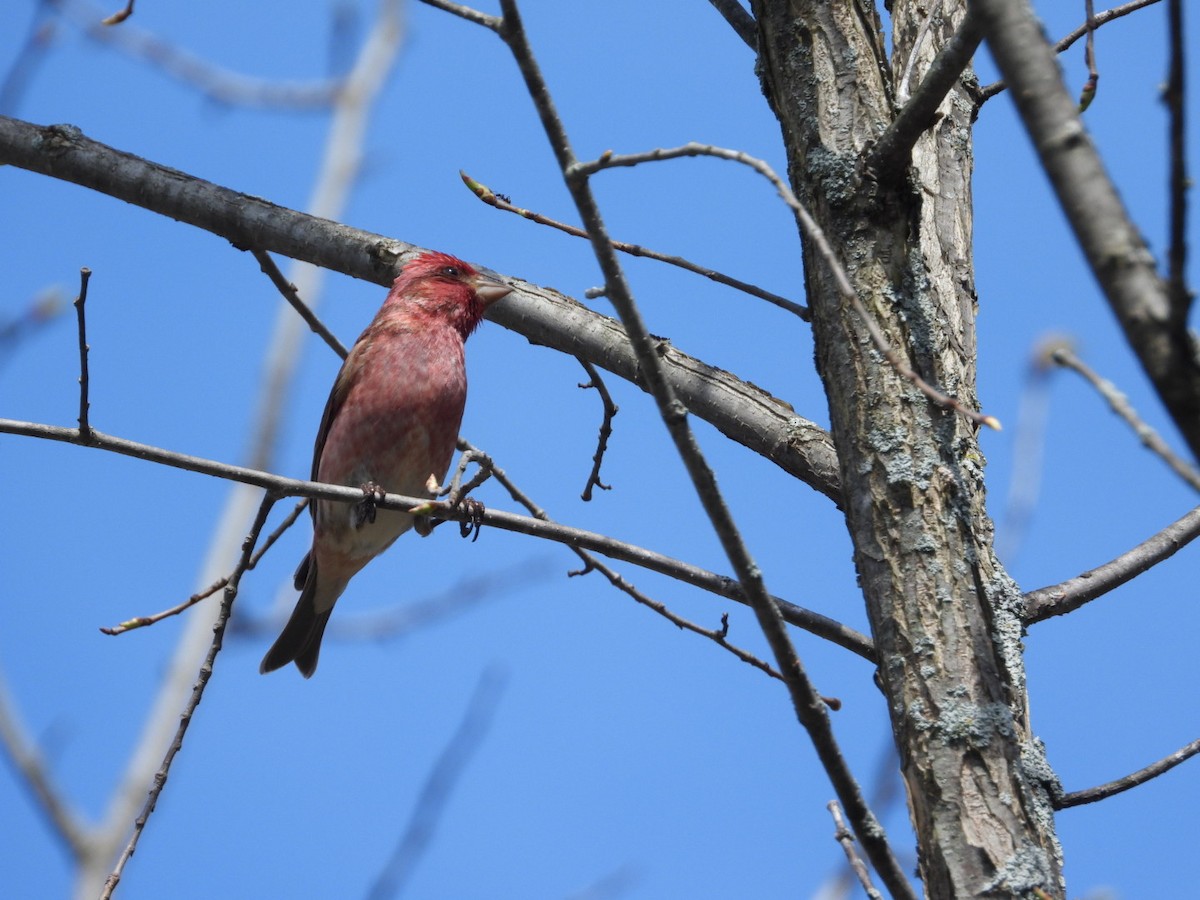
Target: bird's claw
473,523
365,510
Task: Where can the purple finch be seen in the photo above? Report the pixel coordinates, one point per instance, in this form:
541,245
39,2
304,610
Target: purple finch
390,424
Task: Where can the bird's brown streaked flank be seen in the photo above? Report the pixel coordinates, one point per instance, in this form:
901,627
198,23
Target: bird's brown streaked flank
390,424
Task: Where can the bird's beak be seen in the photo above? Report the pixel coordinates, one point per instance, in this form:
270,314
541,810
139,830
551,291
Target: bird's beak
489,289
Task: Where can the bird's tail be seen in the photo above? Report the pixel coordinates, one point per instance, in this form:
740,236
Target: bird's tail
300,641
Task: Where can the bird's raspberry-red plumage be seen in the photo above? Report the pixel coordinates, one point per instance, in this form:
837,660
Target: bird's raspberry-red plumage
391,421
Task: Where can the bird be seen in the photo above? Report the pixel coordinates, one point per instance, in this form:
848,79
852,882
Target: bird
390,425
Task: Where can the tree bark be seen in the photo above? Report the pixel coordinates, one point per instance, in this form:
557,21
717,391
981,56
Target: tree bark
944,613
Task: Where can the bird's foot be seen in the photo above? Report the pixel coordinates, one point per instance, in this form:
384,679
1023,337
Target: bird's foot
364,511
473,523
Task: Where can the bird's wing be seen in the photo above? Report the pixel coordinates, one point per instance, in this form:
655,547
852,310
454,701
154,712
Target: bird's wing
346,377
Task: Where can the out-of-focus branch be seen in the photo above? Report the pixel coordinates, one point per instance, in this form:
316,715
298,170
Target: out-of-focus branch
16,744
741,411
1115,250
1059,599
217,84
442,779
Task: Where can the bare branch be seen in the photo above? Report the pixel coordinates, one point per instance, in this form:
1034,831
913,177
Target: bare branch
893,151
590,563
722,585
85,430
987,92
1059,599
610,410
820,242
843,836
491,198
805,699
739,19
1120,404
465,12
185,718
741,411
442,779
1101,792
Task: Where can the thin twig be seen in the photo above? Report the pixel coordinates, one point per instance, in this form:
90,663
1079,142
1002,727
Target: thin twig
845,837
292,296
1173,96
610,410
143,621
989,91
85,430
721,585
1100,792
185,718
824,250
590,563
806,702
491,198
1120,405
441,781
1089,56
1073,593
465,12
740,20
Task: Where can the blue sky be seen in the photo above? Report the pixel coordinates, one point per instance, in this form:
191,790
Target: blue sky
621,747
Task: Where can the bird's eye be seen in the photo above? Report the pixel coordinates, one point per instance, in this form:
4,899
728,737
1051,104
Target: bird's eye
451,271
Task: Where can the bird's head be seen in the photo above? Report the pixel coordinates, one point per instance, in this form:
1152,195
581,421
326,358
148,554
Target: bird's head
445,288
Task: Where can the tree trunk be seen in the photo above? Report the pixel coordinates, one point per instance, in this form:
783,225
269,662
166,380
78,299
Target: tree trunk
943,611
